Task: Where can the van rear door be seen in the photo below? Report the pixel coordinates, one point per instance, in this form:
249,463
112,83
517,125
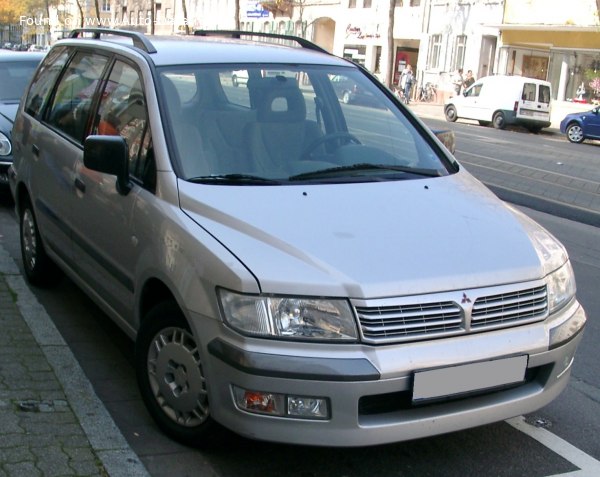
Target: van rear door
535,102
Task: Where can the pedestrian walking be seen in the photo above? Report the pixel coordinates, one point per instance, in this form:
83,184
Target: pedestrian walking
406,81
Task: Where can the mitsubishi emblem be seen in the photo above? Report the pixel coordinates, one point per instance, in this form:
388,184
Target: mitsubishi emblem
465,298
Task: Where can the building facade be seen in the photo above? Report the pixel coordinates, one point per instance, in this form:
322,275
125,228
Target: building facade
546,39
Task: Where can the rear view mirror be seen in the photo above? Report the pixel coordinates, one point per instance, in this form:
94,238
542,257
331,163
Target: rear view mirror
109,155
447,138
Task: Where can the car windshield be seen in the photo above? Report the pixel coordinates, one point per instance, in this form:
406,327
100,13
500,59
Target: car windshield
281,124
14,78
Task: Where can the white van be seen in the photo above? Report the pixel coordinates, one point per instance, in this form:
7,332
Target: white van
503,100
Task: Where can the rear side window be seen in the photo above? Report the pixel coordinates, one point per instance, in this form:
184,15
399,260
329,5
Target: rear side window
474,91
45,78
70,108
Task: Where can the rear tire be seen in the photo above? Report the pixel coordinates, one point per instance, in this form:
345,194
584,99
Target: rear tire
346,97
39,269
575,133
171,377
499,121
451,114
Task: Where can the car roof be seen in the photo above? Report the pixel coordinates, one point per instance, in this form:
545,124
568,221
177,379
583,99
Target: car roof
182,50
8,55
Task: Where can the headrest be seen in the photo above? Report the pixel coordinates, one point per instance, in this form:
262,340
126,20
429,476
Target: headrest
278,100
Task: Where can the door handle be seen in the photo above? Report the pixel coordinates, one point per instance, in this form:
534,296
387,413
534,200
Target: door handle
79,184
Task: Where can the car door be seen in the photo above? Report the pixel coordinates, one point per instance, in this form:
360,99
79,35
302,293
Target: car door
104,241
591,123
535,102
57,144
470,103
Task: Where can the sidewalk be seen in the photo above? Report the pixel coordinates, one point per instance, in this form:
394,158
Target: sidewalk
51,421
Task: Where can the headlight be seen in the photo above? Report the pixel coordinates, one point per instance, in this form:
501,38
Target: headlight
561,287
5,147
289,317
560,280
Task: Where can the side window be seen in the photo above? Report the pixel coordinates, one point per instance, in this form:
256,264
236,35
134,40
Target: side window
72,100
123,112
235,87
41,86
474,91
529,90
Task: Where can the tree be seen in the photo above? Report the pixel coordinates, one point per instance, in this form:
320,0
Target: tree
185,17
237,14
389,72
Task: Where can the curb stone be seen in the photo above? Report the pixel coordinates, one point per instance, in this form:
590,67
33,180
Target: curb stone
105,439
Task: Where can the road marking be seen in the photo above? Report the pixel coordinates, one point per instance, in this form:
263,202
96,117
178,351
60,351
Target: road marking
588,466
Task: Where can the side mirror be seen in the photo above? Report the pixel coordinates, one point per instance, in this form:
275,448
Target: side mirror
109,155
447,138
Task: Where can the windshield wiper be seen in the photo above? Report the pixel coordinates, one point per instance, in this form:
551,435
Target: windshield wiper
237,179
334,171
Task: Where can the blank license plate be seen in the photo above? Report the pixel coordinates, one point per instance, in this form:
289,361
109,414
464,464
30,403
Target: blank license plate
445,382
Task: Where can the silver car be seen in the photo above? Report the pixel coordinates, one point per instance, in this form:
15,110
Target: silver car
291,267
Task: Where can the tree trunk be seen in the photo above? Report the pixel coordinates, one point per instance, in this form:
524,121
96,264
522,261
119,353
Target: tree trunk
389,74
237,14
97,6
81,16
152,16
185,17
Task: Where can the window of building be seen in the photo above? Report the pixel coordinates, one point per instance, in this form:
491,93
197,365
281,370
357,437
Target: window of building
105,6
458,59
415,3
435,49
352,4
367,3
157,16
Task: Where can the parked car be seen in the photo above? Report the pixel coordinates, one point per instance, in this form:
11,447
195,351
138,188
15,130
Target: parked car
349,91
16,70
292,269
581,126
504,100
239,77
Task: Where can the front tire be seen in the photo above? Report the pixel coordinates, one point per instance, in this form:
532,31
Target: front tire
171,377
39,268
451,114
575,133
499,121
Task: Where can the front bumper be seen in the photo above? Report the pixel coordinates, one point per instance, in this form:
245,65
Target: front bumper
369,388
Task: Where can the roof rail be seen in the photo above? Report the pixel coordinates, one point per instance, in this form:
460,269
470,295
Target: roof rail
303,42
139,40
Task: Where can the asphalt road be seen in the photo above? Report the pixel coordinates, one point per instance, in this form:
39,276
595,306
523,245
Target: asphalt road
562,438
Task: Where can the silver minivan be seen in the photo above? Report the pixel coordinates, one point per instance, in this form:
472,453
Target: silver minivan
291,267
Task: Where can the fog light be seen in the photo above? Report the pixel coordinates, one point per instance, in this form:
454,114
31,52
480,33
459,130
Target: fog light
259,402
307,407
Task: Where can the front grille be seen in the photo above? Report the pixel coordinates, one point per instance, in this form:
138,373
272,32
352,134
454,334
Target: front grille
405,322
508,308
383,321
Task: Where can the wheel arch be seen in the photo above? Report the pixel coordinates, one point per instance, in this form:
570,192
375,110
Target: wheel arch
154,291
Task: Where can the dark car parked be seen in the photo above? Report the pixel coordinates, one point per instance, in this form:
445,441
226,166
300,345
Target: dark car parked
581,126
16,70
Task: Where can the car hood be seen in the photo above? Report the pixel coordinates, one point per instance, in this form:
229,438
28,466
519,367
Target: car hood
368,240
8,111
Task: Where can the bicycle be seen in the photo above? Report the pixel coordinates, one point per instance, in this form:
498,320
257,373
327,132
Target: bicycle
428,93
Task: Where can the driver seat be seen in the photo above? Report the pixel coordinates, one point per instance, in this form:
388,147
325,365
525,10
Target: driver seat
281,131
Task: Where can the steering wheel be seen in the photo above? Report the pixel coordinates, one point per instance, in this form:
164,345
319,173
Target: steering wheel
344,136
